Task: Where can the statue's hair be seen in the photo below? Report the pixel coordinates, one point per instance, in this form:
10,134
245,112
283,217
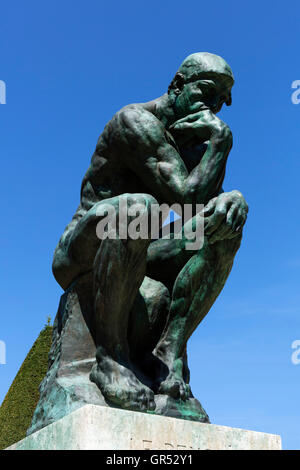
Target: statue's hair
198,65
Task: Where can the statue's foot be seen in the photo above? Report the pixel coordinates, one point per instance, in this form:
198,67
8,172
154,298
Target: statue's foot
175,387
120,386
174,384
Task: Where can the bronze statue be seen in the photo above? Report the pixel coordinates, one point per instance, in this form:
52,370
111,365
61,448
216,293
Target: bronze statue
148,296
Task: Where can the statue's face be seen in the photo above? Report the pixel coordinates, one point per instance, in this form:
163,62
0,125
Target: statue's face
211,91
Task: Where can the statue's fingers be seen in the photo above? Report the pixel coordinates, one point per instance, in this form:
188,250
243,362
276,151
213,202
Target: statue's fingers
232,235
214,222
183,123
210,207
186,120
231,215
181,126
239,221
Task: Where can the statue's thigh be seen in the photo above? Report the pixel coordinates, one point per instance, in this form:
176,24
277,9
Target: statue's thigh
85,240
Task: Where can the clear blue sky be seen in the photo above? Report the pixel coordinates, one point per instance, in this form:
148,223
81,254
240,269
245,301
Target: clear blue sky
68,67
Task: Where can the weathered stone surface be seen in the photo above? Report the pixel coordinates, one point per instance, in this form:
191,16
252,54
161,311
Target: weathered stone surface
103,428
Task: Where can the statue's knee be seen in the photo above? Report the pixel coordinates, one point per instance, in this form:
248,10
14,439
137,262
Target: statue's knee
64,269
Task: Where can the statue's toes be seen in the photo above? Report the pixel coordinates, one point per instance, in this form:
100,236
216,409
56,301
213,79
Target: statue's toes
150,401
151,404
146,400
143,400
176,389
185,391
182,391
171,388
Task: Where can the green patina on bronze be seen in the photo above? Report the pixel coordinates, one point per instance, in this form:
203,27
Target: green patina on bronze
146,297
19,404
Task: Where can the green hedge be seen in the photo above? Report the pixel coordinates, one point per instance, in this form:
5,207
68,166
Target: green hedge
19,404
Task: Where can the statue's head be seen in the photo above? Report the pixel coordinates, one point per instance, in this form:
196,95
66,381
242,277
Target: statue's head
203,80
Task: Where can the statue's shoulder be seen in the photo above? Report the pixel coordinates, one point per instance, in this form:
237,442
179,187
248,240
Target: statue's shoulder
137,122
136,113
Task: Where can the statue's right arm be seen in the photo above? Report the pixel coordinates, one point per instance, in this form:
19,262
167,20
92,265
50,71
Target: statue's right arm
150,154
206,179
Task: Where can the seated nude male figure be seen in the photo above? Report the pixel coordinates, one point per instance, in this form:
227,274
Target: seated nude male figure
170,150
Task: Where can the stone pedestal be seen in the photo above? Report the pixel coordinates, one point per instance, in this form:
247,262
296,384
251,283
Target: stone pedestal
94,427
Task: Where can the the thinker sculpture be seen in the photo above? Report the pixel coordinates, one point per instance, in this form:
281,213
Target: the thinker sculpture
146,297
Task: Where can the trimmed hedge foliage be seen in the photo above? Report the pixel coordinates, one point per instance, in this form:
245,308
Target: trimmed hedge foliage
19,404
